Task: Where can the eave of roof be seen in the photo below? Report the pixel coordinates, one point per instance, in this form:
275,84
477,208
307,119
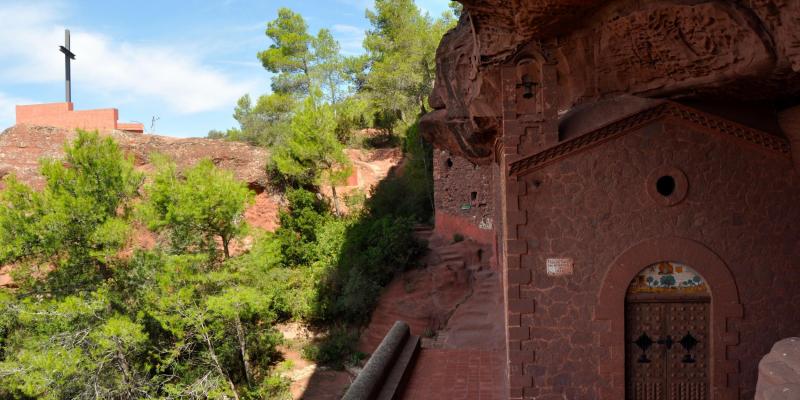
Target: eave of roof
706,122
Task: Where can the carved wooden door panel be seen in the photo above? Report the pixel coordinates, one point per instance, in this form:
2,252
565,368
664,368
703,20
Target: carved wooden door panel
666,350
687,362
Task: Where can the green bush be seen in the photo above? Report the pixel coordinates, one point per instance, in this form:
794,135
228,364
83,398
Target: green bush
336,350
273,387
409,194
299,223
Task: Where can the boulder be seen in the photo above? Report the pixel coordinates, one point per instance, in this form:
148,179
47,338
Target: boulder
779,372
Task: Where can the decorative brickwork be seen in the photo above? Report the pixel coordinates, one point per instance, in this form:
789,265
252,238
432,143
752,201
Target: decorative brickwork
595,207
726,309
672,110
602,197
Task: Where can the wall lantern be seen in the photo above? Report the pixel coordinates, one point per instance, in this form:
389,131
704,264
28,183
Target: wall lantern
528,86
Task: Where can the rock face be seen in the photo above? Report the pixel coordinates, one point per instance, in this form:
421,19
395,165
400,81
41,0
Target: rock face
22,146
577,51
454,302
578,113
779,372
369,168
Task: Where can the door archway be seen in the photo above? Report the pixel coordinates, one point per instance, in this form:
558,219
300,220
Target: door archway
667,332
610,311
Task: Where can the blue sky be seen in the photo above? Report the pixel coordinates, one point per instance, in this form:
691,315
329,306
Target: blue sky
186,62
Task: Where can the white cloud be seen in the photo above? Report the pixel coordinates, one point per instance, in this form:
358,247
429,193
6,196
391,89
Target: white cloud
110,67
8,109
350,38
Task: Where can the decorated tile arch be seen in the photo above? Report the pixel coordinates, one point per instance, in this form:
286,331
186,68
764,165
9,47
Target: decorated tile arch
668,277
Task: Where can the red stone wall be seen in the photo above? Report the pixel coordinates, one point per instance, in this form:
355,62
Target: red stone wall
130,127
742,203
62,115
464,196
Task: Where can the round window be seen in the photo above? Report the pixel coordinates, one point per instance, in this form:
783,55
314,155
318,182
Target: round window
667,186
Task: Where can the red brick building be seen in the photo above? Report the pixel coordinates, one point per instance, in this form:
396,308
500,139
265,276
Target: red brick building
647,200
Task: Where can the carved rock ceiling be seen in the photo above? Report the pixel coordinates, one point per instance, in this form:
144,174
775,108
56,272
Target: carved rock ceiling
747,50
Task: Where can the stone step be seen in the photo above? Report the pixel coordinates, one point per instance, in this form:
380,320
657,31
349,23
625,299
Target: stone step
475,268
450,257
485,273
454,265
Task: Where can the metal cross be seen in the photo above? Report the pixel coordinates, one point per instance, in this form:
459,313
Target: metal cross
68,55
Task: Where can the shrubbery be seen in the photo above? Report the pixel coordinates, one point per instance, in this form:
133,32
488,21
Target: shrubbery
176,321
91,322
95,318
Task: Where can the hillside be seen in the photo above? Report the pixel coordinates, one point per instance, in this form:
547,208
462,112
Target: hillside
22,146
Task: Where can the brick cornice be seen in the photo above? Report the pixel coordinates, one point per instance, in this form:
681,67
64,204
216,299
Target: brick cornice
670,110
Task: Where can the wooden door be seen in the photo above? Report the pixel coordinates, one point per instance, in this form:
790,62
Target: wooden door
667,350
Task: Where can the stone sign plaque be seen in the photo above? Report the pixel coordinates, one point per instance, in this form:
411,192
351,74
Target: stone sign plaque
559,266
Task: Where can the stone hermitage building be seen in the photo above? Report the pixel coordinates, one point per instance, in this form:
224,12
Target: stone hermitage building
636,166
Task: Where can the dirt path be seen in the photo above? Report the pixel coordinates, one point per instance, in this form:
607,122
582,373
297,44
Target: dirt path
309,380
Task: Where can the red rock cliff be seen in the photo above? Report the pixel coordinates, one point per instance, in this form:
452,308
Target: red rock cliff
572,52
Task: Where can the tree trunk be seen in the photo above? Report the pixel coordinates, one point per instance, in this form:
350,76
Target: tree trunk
225,246
335,201
123,363
248,370
214,358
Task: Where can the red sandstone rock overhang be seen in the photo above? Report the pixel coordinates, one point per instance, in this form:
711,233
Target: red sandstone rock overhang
742,51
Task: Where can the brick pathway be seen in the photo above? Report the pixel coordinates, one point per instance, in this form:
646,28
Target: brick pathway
457,374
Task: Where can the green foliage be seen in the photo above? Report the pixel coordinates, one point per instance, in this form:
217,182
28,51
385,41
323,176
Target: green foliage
99,325
297,233
71,347
273,387
351,114
412,194
92,320
75,226
261,125
355,200
304,61
311,144
336,350
198,207
402,49
373,252
386,88
291,54
311,153
329,72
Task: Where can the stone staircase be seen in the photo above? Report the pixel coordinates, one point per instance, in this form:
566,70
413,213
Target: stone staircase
455,300
477,322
